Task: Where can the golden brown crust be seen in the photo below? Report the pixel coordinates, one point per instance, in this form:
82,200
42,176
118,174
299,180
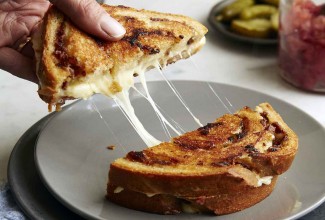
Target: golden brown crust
69,54
223,203
228,155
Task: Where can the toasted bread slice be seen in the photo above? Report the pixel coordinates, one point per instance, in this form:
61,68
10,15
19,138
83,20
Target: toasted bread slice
72,64
220,204
236,153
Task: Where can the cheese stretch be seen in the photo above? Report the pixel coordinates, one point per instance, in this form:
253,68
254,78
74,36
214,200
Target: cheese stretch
117,86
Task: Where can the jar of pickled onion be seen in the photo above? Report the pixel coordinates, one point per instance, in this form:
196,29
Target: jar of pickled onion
302,43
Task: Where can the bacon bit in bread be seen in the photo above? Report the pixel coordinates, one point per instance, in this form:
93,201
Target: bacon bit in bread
201,200
206,129
137,156
63,59
111,147
159,19
49,107
250,149
58,107
64,85
190,41
272,149
220,164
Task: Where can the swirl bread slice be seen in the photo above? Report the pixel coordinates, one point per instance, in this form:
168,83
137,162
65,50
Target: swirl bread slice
220,204
238,154
72,64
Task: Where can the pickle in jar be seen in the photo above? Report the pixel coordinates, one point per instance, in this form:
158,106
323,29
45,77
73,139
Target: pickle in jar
257,28
258,11
233,10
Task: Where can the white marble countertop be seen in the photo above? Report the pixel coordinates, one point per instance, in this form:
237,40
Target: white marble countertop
220,61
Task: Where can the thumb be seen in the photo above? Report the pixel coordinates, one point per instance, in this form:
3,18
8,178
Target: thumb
89,16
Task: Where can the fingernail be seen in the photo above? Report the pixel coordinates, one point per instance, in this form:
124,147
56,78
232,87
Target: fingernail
111,27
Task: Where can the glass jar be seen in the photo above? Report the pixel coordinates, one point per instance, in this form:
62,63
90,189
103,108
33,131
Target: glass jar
302,43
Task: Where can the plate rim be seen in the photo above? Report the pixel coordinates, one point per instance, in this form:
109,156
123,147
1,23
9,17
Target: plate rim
75,209
18,189
11,163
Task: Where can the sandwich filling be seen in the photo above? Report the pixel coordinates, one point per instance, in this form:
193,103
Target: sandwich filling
103,82
117,85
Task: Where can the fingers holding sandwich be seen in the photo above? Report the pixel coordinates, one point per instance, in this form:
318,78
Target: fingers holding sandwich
92,18
17,64
19,19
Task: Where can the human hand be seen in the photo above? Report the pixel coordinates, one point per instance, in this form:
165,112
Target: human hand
20,18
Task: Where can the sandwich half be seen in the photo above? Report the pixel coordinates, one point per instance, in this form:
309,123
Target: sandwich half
71,64
223,167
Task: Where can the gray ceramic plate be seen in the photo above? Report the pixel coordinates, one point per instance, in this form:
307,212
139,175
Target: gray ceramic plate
225,30
25,184
73,161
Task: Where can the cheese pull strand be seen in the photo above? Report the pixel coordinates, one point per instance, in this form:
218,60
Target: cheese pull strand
95,108
230,109
122,99
153,104
171,85
179,128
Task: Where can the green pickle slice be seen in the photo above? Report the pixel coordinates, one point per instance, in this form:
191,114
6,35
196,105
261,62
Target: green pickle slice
257,28
257,11
275,21
233,10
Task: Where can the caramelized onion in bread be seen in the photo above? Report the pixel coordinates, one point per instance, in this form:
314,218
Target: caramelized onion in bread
72,64
235,159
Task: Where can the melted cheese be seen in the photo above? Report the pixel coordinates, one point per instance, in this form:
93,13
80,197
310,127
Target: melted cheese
149,98
150,194
190,209
103,81
265,143
237,131
123,100
259,109
178,96
117,86
264,180
118,189
89,85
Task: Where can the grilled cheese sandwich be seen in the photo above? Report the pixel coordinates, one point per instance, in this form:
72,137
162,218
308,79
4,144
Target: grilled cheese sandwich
72,64
222,167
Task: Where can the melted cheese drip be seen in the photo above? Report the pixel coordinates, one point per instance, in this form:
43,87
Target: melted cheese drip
190,209
265,143
151,194
95,108
179,128
118,189
178,95
149,98
230,109
123,100
264,180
